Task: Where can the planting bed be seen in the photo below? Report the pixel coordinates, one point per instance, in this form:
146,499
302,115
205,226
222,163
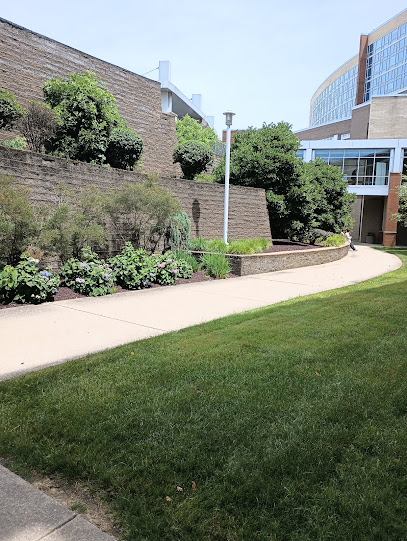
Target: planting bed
65,293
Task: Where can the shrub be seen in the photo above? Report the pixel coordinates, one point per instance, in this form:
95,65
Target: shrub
88,114
77,221
168,269
88,276
178,232
18,143
215,265
10,110
333,240
190,259
25,283
124,149
193,157
140,213
205,178
132,269
18,223
38,125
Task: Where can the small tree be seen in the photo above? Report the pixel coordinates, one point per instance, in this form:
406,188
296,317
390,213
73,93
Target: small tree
140,213
78,221
10,110
124,149
17,220
189,129
401,216
332,201
193,157
88,114
38,125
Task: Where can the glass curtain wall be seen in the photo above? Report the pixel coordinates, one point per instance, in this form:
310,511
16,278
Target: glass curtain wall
386,64
368,167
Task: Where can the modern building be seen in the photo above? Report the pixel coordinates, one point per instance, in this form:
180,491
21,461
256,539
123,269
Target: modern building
358,122
175,101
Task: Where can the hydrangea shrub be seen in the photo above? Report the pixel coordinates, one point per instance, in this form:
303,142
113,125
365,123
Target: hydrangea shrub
89,275
133,269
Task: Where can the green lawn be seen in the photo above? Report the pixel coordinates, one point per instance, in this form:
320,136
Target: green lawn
291,421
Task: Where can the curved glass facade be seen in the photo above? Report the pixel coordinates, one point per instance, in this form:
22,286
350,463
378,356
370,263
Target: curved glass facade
386,64
386,73
336,101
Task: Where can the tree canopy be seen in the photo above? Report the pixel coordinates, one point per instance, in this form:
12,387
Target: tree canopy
300,196
193,157
189,129
10,110
89,117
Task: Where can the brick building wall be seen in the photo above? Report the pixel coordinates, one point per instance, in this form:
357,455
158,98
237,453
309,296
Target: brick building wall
248,216
28,60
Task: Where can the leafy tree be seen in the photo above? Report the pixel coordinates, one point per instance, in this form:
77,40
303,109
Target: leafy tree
193,157
332,201
76,222
88,114
17,220
38,125
10,110
124,149
140,213
300,196
189,129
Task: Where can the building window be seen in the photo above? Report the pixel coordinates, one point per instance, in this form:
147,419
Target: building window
336,101
301,154
369,167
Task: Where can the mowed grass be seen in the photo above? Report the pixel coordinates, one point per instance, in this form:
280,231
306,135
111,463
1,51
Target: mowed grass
285,423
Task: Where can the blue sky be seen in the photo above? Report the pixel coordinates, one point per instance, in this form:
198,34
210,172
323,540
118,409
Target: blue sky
262,59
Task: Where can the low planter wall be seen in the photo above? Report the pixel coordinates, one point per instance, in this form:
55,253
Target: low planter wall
244,265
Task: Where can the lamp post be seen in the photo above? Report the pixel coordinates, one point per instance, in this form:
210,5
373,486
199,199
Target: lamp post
229,115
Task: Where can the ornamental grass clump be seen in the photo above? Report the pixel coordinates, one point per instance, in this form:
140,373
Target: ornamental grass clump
333,240
25,283
132,269
168,269
89,275
215,265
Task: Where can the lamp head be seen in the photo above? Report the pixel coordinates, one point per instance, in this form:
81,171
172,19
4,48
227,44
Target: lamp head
229,116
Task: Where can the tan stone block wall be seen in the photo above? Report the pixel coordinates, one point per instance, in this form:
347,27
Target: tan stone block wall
28,60
244,265
359,128
388,117
248,216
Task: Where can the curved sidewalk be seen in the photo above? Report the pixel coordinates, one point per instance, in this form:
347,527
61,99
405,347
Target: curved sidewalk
37,336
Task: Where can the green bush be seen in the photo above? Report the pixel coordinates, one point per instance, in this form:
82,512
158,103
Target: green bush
10,110
38,125
190,259
79,220
124,149
25,283
189,129
132,269
193,157
88,114
18,143
215,265
168,269
205,178
18,222
333,240
89,276
140,213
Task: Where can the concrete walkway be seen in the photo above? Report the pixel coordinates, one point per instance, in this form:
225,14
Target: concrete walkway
37,336
52,333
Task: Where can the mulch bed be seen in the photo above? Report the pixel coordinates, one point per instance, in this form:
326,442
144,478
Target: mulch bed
279,245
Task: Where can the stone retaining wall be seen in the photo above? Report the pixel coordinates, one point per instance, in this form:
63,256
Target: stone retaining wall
248,216
244,265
